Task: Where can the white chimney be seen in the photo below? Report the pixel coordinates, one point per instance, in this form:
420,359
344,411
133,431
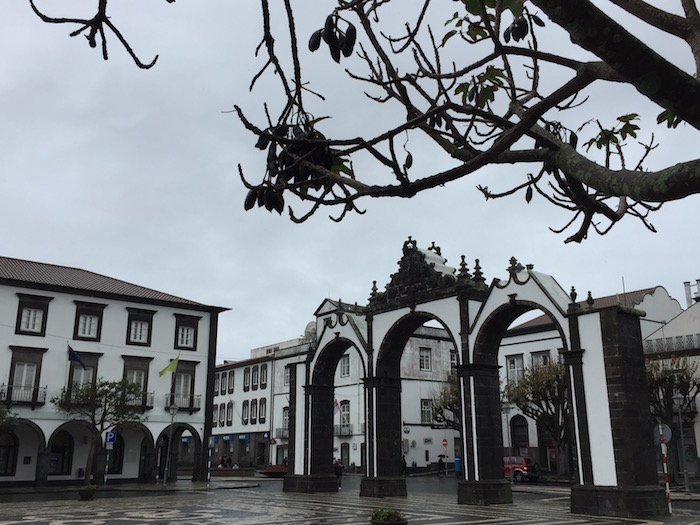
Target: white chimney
688,296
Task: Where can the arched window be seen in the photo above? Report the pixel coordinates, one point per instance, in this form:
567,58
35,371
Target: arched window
518,427
8,454
61,453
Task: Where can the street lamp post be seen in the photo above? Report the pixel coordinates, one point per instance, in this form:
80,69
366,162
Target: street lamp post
506,427
678,400
173,408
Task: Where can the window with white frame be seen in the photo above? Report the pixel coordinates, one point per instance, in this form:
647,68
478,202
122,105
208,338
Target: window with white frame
262,411
229,413
541,358
222,414
23,382
31,314
182,389
217,377
285,418
88,321
230,381
245,412
82,376
136,376
139,327
426,411
246,379
263,376
255,377
345,365
286,375
25,369
215,415
454,362
224,382
186,332
424,359
514,366
345,417
253,411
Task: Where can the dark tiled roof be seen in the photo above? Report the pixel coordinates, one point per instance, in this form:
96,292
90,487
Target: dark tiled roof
630,299
32,274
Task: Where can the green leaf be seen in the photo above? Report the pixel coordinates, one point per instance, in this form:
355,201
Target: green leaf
447,36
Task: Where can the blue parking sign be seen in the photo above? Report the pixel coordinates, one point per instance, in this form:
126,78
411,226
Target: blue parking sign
110,437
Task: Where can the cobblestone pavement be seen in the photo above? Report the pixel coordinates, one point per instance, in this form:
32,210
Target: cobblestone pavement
267,504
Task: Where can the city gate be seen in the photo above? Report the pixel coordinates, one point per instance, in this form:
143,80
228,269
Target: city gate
601,350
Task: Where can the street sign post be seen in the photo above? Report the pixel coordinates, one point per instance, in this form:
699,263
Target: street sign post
444,443
110,439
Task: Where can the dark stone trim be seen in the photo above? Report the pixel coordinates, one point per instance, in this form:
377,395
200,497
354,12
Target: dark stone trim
624,502
200,474
309,484
383,487
488,492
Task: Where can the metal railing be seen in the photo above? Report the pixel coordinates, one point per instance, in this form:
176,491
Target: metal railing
183,402
672,344
145,400
342,430
34,395
281,433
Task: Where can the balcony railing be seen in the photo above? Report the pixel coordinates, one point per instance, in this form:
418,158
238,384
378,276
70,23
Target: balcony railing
281,433
342,430
191,403
672,344
23,395
145,400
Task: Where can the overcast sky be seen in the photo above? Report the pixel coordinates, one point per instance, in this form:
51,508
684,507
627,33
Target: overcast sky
132,174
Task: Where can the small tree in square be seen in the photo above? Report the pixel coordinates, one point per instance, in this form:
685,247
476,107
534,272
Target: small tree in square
103,405
542,394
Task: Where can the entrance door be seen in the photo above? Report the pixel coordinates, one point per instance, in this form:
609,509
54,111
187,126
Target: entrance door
345,454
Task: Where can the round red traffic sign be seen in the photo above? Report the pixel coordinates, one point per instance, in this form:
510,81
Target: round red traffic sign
444,442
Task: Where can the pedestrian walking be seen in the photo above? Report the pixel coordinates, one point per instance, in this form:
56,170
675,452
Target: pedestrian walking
338,471
441,468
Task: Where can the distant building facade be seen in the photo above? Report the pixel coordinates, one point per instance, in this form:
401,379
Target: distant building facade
119,331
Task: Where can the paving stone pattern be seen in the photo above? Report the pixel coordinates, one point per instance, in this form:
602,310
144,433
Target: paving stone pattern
253,506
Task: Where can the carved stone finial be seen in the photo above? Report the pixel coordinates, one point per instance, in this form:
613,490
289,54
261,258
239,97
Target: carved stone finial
573,294
478,276
515,267
464,269
435,249
373,293
590,300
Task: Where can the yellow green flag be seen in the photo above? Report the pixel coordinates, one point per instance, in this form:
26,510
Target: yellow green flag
172,367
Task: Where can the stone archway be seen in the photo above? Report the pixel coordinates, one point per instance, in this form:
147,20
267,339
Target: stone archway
601,350
317,467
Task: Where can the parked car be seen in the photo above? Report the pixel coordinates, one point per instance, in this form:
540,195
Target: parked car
521,468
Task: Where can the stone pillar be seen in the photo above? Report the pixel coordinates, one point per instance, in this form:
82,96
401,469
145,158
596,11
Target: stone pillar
487,485
389,480
320,403
637,493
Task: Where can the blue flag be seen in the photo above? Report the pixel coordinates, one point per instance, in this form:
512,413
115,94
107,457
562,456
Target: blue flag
73,356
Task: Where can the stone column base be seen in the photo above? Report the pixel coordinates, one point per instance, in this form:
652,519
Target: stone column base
625,502
382,487
313,483
487,492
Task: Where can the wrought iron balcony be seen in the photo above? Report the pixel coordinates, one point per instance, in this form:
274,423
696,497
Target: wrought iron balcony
145,400
190,403
672,344
342,430
23,395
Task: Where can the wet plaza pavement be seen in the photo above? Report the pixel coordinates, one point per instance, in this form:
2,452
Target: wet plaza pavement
261,501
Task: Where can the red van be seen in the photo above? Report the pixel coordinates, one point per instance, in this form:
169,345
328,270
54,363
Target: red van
522,468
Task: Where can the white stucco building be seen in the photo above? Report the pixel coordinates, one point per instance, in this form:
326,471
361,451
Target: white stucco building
118,330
